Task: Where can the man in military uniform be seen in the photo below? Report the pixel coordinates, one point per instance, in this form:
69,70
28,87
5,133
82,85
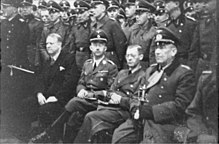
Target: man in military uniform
15,77
65,5
113,9
142,32
130,9
97,74
184,27
78,41
56,26
110,115
117,42
169,87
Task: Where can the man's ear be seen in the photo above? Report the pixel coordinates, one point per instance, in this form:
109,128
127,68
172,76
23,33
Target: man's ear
141,56
174,51
91,47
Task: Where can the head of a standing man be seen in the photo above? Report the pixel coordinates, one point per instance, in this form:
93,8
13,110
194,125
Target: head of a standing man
82,10
26,8
130,8
167,43
144,11
54,45
9,8
54,11
99,8
98,40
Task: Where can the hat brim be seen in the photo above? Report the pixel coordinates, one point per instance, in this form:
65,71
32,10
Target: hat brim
98,39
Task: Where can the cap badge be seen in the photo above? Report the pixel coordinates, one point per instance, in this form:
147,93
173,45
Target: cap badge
158,37
98,36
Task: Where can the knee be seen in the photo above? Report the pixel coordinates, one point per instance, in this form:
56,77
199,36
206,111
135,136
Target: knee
70,106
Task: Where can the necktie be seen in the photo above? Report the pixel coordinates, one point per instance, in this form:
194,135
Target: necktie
94,66
52,61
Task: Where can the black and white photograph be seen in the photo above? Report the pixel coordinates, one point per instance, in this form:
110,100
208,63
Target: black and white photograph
109,71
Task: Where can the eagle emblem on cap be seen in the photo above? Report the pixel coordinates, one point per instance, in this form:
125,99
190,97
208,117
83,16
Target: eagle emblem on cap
98,36
158,37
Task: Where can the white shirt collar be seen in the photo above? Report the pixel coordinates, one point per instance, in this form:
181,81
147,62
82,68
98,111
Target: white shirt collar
98,61
55,57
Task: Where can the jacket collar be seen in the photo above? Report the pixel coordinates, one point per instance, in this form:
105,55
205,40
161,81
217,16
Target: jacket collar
172,67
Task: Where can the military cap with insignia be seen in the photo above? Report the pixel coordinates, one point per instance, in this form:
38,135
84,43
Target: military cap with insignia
96,2
130,2
42,4
64,4
26,3
160,7
82,5
54,6
143,5
164,35
7,3
113,4
98,35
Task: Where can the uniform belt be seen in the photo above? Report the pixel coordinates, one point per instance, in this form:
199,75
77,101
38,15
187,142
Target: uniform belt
82,49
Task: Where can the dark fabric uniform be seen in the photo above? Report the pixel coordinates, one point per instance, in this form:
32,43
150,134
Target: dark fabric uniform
98,79
14,41
58,28
109,117
169,98
207,42
127,27
53,81
79,42
203,111
117,42
36,28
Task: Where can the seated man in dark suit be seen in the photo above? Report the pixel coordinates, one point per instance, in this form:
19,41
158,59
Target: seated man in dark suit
52,87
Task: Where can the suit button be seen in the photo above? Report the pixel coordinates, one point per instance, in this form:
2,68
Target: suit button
101,79
147,100
165,79
127,93
207,118
9,31
160,96
161,87
118,81
180,31
7,47
131,86
181,24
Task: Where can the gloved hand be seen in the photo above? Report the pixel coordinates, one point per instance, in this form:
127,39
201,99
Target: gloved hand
145,111
206,139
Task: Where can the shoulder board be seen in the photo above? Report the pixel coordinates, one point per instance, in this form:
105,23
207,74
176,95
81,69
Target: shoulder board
89,60
21,20
191,18
185,66
207,72
111,62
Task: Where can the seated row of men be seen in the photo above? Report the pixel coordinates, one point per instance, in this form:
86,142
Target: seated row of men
131,105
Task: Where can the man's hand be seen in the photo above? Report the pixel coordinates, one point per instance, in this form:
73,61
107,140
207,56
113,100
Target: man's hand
206,139
115,98
134,106
41,98
51,99
82,93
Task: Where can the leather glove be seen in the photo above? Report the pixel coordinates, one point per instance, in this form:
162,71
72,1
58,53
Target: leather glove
206,139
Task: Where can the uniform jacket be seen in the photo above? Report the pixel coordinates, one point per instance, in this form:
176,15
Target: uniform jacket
169,99
36,28
15,38
59,79
203,111
58,28
185,27
127,27
100,78
142,35
117,41
79,38
126,85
